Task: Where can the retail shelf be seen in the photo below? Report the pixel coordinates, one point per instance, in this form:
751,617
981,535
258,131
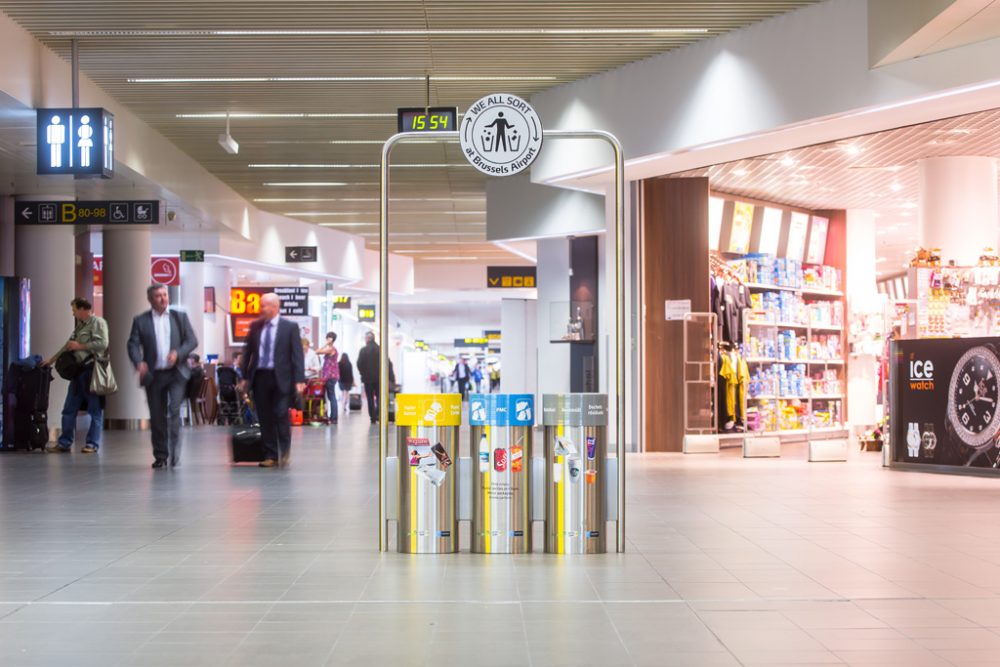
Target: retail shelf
822,292
761,360
827,397
826,327
826,362
778,325
829,429
780,288
764,397
811,362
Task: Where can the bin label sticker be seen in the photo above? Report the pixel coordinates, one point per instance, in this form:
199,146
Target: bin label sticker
591,447
477,412
500,459
590,476
593,533
517,533
484,453
516,459
574,468
428,410
502,410
419,450
564,446
442,455
432,475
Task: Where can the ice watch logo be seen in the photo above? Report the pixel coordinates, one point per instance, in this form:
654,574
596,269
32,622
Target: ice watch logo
921,375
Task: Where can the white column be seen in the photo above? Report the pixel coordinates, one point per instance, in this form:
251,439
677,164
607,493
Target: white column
553,288
958,207
192,299
862,298
519,348
44,254
216,337
126,276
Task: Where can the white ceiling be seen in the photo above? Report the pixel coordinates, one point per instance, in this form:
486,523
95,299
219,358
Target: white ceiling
875,171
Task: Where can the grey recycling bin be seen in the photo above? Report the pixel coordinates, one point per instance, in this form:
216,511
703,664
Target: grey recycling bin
576,444
427,441
501,443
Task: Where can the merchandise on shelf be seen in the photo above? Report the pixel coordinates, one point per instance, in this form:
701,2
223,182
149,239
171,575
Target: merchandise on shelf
780,272
825,347
826,383
826,313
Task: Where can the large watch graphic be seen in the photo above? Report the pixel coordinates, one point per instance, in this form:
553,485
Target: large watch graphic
974,401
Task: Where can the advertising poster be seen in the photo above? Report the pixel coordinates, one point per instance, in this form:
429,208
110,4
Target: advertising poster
944,402
797,230
739,239
817,240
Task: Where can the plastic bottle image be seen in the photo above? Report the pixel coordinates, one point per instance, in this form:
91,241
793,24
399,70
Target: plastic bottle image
484,454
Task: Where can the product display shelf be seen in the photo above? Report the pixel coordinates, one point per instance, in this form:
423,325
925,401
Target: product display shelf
809,362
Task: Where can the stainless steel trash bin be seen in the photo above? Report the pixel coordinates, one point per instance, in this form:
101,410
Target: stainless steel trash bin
501,444
427,441
576,428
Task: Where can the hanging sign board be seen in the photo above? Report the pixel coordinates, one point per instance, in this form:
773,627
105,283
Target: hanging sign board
341,302
298,254
144,212
80,142
366,312
510,277
165,271
244,306
501,134
192,255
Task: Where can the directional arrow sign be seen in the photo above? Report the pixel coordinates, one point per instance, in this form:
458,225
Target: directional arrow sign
26,212
300,253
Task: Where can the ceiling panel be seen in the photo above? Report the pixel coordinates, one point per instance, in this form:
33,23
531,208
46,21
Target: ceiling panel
531,44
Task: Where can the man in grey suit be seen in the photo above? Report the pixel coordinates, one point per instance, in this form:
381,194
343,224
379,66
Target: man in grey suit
159,345
273,366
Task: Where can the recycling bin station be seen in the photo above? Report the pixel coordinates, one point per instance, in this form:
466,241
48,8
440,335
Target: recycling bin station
576,513
427,428
501,444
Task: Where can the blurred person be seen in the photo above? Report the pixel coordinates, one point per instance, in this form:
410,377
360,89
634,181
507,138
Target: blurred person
330,374
158,346
89,338
368,368
273,367
346,381
462,375
312,364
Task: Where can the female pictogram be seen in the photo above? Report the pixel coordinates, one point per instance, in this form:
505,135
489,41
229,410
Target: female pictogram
86,142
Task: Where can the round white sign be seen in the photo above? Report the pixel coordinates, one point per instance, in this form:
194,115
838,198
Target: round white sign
501,135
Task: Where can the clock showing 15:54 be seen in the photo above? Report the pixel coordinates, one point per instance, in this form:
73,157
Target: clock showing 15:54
432,119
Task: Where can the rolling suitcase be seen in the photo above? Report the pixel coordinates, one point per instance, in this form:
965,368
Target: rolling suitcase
248,447
354,402
26,401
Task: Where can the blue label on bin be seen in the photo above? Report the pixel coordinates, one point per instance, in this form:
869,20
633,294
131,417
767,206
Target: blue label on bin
501,410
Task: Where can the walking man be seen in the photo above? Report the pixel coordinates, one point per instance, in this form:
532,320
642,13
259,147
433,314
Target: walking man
159,345
273,366
368,369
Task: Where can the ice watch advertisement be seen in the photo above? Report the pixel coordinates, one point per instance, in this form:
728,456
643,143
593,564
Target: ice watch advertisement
944,402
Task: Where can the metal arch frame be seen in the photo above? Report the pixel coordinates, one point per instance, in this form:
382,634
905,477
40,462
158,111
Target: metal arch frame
383,315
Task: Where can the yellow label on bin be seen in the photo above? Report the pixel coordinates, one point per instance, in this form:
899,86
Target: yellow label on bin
428,409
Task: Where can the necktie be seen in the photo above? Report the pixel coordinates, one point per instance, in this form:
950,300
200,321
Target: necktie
268,352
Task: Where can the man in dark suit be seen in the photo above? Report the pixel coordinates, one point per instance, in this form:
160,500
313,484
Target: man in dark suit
159,345
273,365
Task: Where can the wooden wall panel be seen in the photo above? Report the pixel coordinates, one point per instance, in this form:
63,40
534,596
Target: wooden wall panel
674,266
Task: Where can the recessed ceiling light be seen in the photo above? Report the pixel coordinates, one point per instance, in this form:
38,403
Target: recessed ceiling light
895,186
787,162
739,172
851,149
880,260
348,224
258,165
215,114
479,32
310,184
335,79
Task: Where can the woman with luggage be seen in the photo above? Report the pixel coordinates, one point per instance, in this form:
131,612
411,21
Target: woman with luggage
89,339
346,381
330,374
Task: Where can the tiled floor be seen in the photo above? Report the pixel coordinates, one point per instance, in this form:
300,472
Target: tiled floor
104,561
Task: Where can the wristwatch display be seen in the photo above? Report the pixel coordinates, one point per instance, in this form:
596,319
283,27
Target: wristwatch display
973,395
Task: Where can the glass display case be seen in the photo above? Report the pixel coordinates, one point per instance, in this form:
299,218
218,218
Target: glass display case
572,322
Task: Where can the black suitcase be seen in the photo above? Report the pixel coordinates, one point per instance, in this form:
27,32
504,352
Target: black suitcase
247,444
354,402
26,405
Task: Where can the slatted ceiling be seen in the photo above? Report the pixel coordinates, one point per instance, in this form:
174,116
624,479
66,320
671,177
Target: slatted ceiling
111,60
880,174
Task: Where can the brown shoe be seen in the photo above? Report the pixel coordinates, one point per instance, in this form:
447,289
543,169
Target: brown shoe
285,460
268,463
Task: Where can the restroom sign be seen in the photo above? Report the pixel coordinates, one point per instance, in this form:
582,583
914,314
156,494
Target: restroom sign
501,135
76,141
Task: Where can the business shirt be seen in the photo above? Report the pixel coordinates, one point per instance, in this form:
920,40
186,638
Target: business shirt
161,326
267,335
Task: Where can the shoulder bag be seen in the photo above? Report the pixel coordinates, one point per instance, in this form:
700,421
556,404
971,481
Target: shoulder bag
102,380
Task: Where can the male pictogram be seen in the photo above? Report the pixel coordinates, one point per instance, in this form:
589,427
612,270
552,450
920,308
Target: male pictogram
55,135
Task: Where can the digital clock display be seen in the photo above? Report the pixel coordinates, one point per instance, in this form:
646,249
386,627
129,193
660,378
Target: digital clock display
434,119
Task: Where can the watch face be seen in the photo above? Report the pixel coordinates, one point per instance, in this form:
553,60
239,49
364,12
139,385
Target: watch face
973,396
